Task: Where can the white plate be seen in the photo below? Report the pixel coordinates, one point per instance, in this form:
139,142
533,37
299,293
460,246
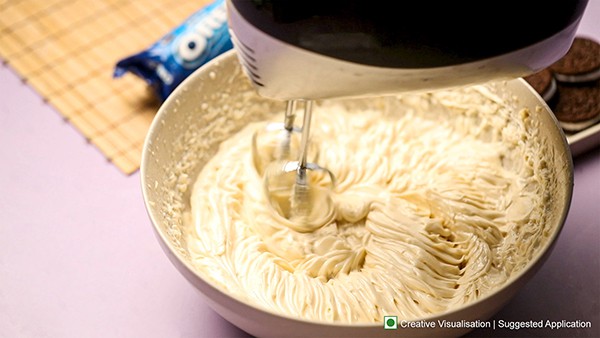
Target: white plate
584,140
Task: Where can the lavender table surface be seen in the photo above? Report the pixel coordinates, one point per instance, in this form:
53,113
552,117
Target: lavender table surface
78,257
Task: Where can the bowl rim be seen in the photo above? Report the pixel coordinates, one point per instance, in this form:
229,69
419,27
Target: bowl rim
177,259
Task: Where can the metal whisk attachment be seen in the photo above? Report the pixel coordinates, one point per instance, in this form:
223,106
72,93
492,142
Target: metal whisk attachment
300,190
279,141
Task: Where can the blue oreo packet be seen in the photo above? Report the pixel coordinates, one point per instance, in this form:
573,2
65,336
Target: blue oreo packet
199,39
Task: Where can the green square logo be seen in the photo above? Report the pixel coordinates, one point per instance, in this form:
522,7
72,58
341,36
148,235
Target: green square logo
390,322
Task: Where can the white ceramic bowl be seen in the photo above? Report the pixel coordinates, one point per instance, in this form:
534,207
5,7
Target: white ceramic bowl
216,94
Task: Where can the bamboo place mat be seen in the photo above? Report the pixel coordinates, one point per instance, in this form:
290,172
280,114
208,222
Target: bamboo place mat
67,50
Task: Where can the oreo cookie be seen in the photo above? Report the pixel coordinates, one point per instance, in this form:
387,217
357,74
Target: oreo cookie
578,106
577,101
543,83
580,64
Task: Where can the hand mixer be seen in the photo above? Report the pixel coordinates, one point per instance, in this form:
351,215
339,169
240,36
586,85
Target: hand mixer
312,49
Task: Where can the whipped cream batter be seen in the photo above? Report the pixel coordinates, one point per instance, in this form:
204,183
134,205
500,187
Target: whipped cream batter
439,200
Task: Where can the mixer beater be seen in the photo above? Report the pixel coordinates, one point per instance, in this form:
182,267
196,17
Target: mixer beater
298,190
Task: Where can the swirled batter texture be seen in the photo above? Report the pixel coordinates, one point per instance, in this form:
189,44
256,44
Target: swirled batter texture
439,200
